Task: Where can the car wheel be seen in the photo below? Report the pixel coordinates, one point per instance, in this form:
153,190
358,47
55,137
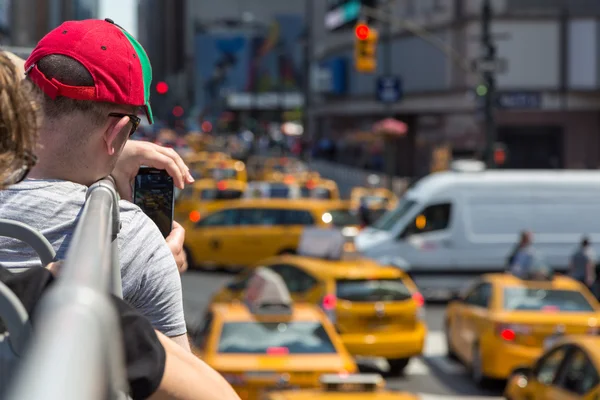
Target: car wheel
397,366
450,353
477,368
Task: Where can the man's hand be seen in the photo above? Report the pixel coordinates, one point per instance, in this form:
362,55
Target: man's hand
175,242
54,267
138,153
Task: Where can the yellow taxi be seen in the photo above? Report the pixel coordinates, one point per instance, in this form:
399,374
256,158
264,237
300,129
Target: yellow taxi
226,169
344,387
266,342
502,322
197,161
375,198
325,189
273,189
377,310
242,232
568,370
277,167
206,195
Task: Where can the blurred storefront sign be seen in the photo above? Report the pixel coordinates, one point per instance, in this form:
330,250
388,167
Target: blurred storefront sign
265,101
331,77
520,100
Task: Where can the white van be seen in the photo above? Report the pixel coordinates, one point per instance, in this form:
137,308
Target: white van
454,225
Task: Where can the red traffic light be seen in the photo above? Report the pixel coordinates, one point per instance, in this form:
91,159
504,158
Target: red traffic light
178,111
162,87
499,156
362,31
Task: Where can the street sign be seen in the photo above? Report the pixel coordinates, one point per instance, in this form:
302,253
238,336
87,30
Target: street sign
389,89
498,65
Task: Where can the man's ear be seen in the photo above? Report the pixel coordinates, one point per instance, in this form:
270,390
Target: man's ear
112,133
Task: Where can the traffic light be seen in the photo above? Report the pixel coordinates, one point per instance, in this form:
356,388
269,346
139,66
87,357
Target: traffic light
162,88
365,49
499,154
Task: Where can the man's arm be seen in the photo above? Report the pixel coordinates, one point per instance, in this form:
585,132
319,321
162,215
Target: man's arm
183,341
151,280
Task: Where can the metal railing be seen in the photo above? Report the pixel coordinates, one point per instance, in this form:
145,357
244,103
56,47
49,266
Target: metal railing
77,353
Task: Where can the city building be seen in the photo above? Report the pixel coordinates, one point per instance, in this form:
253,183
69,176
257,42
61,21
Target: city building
548,112
24,22
241,58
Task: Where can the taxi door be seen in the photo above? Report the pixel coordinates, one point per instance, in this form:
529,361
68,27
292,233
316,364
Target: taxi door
577,379
215,239
262,234
184,204
474,319
543,375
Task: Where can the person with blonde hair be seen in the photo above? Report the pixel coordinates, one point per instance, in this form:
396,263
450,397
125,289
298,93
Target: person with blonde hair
156,367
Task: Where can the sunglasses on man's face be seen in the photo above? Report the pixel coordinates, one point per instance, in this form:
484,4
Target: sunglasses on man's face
28,161
134,119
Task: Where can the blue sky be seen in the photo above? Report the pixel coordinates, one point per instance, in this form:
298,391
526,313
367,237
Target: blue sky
123,12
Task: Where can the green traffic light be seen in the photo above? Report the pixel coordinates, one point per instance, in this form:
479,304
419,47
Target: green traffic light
481,90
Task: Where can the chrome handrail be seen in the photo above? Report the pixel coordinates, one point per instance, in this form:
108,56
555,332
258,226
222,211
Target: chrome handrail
79,354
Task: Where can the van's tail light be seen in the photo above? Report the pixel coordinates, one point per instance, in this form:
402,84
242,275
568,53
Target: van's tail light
509,332
329,303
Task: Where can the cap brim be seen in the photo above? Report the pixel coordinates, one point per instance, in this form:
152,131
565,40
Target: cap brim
149,115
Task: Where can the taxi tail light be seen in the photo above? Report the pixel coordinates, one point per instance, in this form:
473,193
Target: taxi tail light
195,216
420,301
509,332
222,185
329,304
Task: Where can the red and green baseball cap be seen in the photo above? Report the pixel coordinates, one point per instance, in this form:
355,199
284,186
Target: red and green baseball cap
117,62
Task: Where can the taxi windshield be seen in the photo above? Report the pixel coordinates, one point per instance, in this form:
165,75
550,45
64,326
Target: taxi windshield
215,194
529,299
368,290
222,173
389,219
316,193
257,338
342,218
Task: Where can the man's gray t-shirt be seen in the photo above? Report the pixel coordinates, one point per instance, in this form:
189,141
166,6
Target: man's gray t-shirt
151,281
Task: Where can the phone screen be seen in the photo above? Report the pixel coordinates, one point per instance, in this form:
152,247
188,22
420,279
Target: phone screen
153,193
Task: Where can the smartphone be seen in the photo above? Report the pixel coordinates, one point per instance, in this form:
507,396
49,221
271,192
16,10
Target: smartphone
154,193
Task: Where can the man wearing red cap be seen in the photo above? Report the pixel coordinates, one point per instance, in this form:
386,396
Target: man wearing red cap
94,78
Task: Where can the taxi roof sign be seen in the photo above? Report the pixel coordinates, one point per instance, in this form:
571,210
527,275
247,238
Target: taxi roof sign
267,293
322,243
352,383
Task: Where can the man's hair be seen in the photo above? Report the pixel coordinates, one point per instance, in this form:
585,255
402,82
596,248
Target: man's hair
69,71
19,118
